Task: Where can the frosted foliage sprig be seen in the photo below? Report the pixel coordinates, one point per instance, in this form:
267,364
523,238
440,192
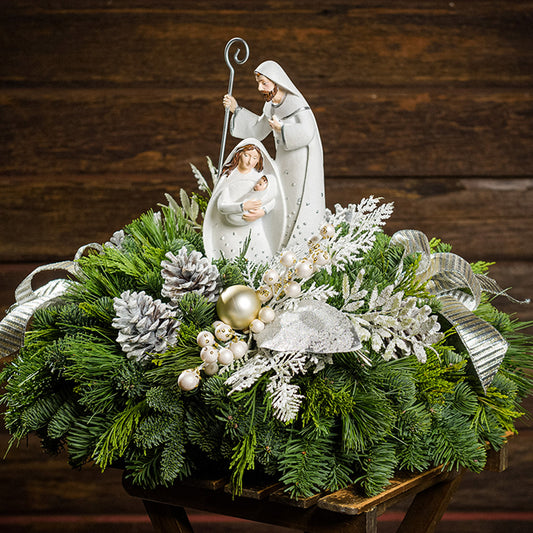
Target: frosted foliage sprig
286,399
394,324
201,181
359,224
284,366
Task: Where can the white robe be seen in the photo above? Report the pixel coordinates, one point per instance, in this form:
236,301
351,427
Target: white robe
298,154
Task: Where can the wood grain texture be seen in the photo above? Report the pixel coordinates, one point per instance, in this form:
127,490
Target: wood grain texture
52,218
353,43
381,132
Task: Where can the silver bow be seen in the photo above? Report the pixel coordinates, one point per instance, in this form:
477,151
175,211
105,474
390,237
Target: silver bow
313,327
445,275
28,301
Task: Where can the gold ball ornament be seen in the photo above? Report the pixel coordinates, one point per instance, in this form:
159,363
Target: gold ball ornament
238,305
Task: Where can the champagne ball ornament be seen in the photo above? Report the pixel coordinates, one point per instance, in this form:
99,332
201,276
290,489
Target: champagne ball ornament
293,289
327,231
264,293
238,305
209,354
225,357
188,380
270,277
257,326
304,269
205,338
211,369
267,314
322,258
239,349
223,332
287,258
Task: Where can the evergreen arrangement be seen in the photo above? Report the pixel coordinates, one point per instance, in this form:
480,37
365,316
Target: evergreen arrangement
116,371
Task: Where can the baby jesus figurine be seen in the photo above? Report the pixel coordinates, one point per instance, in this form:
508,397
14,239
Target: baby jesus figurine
258,198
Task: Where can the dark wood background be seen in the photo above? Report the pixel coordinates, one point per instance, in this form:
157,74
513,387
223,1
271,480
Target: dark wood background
103,105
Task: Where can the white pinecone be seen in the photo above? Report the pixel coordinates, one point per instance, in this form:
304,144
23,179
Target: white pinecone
116,240
185,273
145,325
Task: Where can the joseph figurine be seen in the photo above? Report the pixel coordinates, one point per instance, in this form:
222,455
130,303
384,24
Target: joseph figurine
299,157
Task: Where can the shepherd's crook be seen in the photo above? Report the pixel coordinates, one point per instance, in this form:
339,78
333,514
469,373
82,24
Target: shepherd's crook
230,89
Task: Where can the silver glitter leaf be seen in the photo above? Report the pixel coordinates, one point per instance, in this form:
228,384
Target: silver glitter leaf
312,327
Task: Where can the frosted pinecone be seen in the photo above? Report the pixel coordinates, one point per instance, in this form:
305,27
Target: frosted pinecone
116,240
189,272
145,325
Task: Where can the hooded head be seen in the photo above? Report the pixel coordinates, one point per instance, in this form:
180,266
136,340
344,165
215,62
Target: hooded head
274,72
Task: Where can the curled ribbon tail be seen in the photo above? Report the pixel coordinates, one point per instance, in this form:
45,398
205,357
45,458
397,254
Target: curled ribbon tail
484,344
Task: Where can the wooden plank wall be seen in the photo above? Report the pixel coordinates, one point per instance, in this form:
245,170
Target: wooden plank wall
104,104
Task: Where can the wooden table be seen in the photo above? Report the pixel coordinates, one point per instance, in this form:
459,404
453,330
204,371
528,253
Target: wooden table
342,511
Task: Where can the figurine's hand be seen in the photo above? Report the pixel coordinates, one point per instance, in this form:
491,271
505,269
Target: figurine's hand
229,102
275,124
251,205
250,216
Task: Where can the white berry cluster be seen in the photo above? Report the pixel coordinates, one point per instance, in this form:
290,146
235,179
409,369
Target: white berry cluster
222,349
280,286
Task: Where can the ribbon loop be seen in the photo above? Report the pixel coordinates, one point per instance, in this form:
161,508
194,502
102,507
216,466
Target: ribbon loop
447,276
28,301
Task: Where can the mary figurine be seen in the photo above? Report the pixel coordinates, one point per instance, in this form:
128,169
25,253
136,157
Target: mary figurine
246,203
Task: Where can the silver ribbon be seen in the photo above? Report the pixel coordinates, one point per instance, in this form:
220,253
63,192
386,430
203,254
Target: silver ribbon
446,276
313,327
28,301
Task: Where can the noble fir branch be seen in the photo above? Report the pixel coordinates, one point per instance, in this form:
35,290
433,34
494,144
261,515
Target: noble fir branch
270,445
378,464
174,463
302,465
243,459
340,471
144,470
165,400
38,415
206,431
454,442
413,428
196,311
63,419
117,437
83,436
154,430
